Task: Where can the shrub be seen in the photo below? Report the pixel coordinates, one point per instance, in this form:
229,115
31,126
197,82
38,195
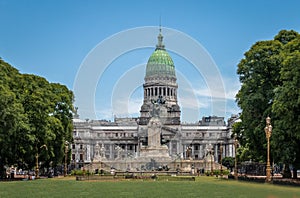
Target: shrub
80,172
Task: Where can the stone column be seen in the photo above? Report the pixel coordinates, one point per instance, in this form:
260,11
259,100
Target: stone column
170,148
184,151
76,151
135,150
231,150
88,153
223,149
201,151
216,153
193,151
179,148
111,151
138,147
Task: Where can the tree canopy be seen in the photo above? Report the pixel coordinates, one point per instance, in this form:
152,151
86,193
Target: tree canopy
270,73
33,113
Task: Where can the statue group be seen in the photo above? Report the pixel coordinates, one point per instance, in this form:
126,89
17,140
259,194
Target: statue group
99,154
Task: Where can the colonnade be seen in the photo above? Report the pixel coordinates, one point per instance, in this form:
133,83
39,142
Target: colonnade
160,91
197,151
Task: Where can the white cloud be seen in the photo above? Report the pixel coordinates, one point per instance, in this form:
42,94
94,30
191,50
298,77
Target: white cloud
231,85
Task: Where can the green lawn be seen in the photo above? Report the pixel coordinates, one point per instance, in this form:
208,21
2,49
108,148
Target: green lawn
202,187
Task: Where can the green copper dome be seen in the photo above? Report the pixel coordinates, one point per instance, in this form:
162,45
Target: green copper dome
160,63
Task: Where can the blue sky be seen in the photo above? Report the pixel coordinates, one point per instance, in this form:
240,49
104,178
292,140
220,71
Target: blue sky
54,38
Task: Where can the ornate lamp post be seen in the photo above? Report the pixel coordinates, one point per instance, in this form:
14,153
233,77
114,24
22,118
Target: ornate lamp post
235,158
37,161
268,131
37,165
211,161
66,156
221,151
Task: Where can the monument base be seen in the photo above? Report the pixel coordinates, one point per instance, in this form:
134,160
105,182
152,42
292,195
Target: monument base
147,164
157,153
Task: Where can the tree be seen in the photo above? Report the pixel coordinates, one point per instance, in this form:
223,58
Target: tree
286,108
33,113
269,73
259,75
49,110
63,114
14,128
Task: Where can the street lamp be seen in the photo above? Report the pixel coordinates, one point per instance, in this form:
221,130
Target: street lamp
210,152
235,157
66,156
268,131
221,151
37,161
211,161
37,165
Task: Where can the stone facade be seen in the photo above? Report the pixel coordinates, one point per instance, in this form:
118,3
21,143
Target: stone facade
126,138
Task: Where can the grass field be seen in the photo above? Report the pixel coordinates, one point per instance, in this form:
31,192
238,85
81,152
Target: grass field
202,187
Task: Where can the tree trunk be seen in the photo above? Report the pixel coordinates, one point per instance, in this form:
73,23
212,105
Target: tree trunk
2,171
294,173
287,172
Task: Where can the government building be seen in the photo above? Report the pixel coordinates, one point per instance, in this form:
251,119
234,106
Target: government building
126,138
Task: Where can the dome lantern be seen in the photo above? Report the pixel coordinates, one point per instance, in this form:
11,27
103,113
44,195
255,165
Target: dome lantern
160,62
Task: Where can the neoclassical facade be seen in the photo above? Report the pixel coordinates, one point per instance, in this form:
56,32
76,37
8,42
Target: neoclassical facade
123,138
